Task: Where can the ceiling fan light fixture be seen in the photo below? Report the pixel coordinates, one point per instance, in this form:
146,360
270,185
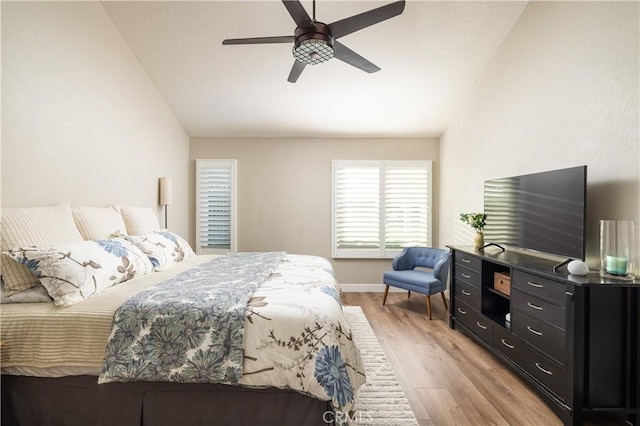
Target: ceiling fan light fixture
313,51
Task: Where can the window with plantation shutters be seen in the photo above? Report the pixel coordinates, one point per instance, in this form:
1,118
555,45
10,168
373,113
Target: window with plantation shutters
379,207
215,206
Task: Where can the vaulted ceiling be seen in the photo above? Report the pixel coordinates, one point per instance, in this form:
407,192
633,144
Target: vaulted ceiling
430,57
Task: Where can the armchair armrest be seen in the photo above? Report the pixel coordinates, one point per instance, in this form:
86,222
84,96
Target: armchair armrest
402,262
442,267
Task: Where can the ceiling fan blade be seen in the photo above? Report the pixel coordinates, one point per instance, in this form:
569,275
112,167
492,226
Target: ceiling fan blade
296,70
357,22
347,55
298,13
259,40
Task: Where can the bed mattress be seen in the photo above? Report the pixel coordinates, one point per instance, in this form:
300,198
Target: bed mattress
40,339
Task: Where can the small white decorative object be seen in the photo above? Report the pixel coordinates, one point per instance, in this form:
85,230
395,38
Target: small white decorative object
578,267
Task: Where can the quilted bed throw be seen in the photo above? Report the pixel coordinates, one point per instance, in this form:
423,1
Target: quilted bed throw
189,328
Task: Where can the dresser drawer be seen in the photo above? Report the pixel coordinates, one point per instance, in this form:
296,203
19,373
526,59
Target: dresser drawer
468,276
543,288
545,370
469,294
539,308
467,261
545,337
474,321
511,346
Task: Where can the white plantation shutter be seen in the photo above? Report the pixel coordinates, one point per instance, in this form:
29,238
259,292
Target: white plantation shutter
357,208
215,206
379,207
407,195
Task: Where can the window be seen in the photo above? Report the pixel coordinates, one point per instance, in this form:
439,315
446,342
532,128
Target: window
215,206
379,207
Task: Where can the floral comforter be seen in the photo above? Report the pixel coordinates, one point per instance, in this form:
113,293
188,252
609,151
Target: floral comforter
253,319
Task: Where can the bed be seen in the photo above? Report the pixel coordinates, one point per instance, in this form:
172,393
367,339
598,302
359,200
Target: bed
297,365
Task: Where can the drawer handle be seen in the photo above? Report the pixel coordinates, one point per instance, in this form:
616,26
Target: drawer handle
466,293
535,284
534,331
462,312
465,275
507,345
465,260
481,326
544,370
531,305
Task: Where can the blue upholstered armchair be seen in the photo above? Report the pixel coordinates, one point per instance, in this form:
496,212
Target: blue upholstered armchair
405,276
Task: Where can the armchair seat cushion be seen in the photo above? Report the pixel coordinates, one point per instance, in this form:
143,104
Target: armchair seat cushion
414,280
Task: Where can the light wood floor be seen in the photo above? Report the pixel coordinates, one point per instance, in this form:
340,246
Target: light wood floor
447,378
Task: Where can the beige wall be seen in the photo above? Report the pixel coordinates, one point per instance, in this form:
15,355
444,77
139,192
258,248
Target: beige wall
82,122
562,90
284,191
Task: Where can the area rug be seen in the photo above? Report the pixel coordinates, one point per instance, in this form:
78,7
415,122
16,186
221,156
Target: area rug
381,400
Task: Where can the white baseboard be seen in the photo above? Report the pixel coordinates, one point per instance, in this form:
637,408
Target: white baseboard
374,288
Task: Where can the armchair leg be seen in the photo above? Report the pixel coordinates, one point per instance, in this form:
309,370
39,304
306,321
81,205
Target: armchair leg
409,295
444,300
386,291
429,306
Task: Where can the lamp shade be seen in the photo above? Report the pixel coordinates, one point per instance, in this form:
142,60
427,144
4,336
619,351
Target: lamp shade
166,193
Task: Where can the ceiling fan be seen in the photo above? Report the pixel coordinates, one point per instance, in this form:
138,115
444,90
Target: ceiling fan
316,42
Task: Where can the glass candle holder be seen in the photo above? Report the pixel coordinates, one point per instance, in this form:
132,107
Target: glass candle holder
617,248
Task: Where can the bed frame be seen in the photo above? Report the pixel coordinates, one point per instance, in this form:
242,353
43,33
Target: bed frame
79,400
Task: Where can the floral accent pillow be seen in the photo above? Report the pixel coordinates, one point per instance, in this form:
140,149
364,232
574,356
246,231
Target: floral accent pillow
76,271
32,226
164,248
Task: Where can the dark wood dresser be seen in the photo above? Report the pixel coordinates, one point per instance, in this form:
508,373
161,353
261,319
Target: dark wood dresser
574,339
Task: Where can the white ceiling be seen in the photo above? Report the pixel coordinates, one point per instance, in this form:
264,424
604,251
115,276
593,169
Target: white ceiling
430,57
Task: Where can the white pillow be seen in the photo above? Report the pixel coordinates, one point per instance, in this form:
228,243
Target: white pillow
37,294
139,220
33,226
164,248
98,223
74,272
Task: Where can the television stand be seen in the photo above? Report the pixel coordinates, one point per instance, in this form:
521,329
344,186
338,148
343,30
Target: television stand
574,340
491,244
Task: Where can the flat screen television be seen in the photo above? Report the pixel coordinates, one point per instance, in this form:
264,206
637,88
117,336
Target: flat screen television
545,212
